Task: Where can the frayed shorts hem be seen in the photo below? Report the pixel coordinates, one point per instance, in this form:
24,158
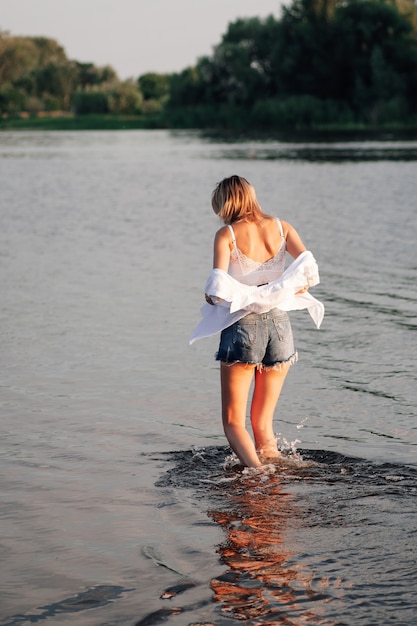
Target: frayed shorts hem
262,366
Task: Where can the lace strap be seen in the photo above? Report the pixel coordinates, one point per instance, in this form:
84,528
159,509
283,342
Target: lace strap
232,232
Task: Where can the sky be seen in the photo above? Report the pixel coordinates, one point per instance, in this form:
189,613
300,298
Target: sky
133,36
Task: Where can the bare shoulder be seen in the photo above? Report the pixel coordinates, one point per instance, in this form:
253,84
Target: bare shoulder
295,245
286,227
222,248
223,235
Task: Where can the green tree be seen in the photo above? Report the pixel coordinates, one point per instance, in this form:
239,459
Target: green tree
58,81
379,55
185,88
125,98
154,86
36,74
18,55
89,75
21,55
302,64
342,60
48,51
239,71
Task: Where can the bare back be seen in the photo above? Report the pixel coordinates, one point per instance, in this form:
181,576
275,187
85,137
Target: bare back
260,240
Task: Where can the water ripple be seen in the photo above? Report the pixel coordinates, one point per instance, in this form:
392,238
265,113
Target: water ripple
317,537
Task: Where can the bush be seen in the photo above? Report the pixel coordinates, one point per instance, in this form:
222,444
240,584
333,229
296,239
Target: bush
299,112
33,105
51,103
86,102
126,99
392,110
12,100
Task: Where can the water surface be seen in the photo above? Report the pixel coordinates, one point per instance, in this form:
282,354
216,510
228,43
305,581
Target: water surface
116,507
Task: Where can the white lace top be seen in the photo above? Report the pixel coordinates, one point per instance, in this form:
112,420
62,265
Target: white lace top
250,272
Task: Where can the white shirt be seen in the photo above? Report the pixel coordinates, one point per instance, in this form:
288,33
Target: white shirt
233,300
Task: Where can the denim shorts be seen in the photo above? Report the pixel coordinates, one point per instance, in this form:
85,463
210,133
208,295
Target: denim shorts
264,339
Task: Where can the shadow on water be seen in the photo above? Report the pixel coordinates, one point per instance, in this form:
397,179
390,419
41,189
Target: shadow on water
318,153
96,597
316,538
315,146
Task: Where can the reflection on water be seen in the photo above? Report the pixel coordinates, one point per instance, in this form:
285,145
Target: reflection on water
114,146
306,540
261,581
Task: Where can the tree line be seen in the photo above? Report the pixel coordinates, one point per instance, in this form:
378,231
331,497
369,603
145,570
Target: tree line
36,76
321,63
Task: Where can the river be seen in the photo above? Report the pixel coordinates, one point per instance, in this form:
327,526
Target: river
119,503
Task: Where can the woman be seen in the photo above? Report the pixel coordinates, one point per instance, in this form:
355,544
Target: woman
251,248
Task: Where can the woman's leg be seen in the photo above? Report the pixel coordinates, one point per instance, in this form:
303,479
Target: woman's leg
235,384
268,385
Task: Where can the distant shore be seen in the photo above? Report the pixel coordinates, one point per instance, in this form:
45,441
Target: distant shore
64,121
69,121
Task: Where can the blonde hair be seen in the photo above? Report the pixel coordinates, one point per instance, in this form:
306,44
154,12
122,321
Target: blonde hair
234,198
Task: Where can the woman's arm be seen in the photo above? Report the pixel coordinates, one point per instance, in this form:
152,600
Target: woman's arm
294,243
221,253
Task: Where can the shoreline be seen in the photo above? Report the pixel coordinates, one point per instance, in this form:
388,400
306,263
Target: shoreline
70,122
81,122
